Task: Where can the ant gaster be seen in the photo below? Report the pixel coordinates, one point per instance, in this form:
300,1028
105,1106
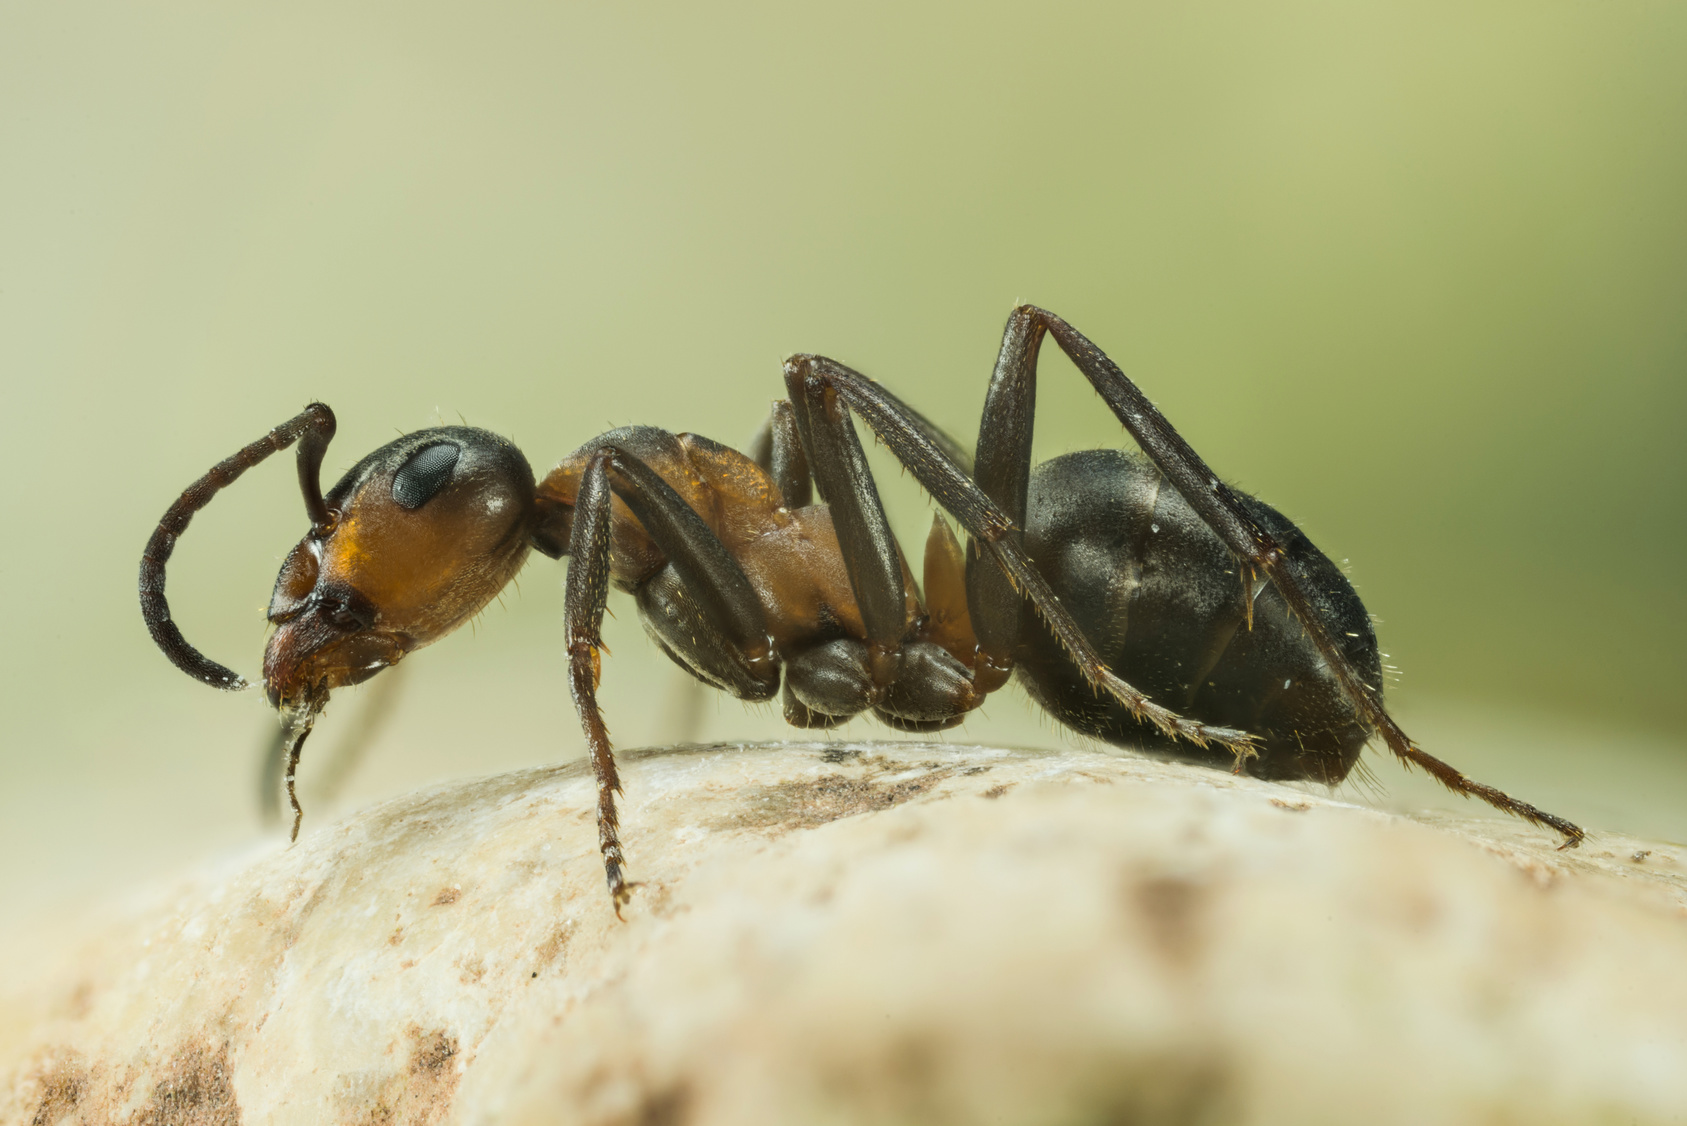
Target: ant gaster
1134,597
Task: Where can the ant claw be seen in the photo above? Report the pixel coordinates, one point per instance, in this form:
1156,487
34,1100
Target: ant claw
621,894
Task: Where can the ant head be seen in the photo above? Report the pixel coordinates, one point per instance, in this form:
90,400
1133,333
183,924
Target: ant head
415,540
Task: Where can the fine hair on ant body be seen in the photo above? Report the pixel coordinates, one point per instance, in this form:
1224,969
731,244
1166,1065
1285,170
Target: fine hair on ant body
1134,597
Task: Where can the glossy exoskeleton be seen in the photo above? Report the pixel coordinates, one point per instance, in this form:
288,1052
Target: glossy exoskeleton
1137,598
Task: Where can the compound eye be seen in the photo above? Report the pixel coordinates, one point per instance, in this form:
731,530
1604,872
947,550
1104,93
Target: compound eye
427,472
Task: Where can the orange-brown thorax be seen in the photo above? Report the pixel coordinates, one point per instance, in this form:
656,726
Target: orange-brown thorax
790,556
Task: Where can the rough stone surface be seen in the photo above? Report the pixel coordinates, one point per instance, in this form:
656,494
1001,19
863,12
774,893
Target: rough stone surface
895,933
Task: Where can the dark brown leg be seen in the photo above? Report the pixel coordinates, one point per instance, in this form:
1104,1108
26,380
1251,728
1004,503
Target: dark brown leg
1258,552
711,576
312,428
587,591
869,549
1002,470
828,385
907,679
777,448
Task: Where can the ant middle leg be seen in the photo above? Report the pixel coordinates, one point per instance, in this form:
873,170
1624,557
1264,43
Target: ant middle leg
907,672
826,391
828,683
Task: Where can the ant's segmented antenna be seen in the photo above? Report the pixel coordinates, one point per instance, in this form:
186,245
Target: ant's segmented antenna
313,429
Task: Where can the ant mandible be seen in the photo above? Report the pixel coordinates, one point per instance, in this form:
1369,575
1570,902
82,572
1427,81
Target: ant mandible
1193,614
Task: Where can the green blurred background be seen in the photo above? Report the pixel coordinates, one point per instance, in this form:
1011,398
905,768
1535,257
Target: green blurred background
1416,273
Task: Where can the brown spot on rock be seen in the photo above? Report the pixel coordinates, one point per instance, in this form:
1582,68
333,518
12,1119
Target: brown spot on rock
421,1094
447,896
196,1090
1169,908
1292,806
81,1001
555,943
995,792
432,1052
62,1084
810,803
670,1107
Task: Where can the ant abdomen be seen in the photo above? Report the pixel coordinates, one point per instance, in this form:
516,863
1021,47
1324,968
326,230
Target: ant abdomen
1163,598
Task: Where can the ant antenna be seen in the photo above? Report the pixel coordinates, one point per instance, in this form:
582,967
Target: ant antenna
313,429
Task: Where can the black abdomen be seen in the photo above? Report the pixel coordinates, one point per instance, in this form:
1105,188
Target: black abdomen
1159,595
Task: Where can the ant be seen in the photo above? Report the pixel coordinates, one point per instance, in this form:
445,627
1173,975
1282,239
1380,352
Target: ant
1135,597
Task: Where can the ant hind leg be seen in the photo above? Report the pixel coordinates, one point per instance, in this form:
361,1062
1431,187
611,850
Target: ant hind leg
1255,549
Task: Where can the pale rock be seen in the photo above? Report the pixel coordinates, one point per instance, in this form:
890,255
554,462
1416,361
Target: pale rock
893,933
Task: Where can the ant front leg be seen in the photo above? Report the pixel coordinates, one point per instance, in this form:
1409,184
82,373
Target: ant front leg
717,586
587,593
829,390
1011,391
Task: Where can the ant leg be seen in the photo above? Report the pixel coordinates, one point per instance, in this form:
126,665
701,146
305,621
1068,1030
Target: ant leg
710,576
782,421
587,591
1003,472
1255,548
934,434
870,555
835,458
830,390
777,448
910,681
